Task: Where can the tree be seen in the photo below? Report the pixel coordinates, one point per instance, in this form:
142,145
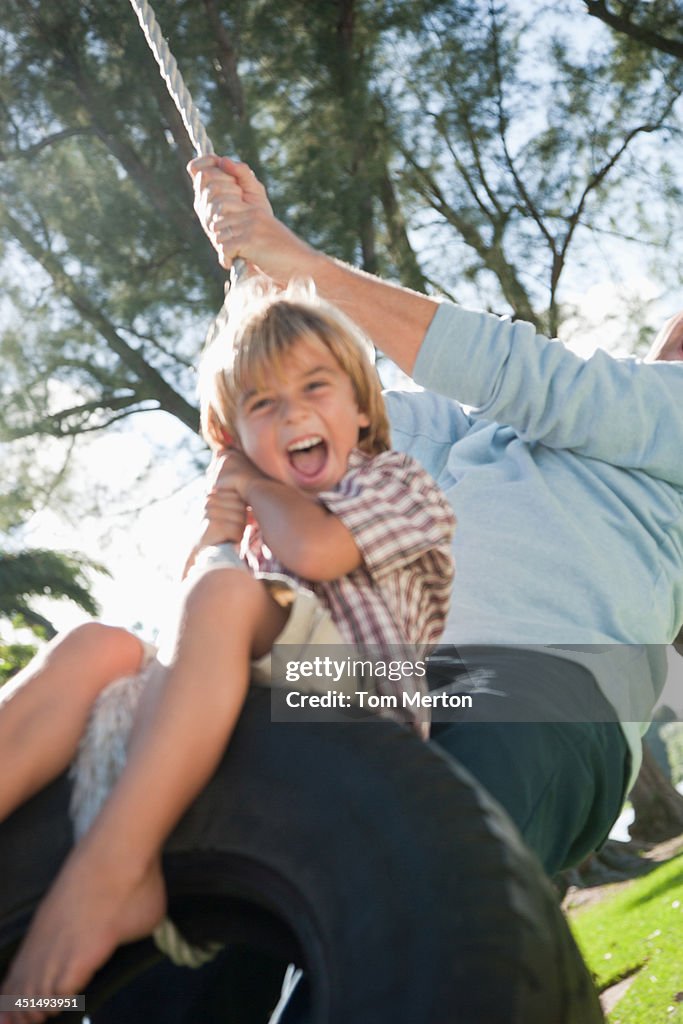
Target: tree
656,25
38,573
115,252
658,807
474,166
523,164
41,573
13,657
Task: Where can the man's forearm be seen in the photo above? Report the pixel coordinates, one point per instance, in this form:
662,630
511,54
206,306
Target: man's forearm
233,208
394,318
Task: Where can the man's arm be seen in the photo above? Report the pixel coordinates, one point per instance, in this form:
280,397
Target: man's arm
618,411
236,215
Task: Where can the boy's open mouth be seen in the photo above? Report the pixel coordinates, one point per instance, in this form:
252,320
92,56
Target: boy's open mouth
308,456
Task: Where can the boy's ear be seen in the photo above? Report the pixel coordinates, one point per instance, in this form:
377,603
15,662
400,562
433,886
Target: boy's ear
230,440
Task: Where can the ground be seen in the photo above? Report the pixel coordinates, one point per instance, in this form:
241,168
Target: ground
614,870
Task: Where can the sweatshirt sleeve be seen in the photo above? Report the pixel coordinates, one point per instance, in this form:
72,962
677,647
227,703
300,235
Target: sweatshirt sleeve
621,411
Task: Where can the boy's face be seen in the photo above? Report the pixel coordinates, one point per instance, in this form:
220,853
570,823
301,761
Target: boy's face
299,426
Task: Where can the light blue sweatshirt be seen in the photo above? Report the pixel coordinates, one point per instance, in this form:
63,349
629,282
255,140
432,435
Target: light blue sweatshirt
566,477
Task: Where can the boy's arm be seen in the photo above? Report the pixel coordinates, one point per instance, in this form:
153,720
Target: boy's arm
301,533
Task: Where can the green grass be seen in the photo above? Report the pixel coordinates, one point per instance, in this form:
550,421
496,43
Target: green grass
639,929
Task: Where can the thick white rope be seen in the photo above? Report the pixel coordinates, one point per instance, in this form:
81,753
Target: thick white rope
168,67
179,93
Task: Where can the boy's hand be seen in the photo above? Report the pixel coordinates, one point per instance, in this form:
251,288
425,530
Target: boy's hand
232,470
225,518
224,522
234,211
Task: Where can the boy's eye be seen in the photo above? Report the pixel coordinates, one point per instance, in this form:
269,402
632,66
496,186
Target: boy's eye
314,385
257,404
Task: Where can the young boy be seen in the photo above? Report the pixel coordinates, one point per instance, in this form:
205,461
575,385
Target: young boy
364,528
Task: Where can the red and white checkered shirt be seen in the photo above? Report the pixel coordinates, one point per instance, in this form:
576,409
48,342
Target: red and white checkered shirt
403,526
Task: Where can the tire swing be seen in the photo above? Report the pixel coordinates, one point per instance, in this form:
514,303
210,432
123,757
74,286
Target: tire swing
352,849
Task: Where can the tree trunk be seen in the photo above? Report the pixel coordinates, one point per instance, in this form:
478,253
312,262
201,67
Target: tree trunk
658,806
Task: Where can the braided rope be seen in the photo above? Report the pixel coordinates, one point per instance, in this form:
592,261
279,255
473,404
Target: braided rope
168,67
180,95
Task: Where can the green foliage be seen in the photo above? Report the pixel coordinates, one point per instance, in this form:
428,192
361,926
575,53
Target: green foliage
672,734
639,930
13,657
423,139
40,573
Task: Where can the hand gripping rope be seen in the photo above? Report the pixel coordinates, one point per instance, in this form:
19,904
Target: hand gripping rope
179,92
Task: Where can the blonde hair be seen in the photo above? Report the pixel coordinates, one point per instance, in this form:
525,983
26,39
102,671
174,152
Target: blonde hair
260,327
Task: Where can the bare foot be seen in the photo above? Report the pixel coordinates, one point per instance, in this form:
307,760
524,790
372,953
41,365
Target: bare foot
90,910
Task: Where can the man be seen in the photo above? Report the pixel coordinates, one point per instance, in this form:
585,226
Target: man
566,478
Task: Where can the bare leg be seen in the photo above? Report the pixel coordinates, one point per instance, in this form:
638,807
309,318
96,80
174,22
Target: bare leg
44,708
111,890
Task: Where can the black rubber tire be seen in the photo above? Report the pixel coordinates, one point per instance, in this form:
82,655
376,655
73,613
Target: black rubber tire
357,851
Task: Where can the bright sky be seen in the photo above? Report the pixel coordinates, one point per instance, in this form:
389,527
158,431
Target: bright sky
142,536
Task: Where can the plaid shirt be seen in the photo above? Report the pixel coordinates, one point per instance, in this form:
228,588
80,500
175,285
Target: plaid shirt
399,595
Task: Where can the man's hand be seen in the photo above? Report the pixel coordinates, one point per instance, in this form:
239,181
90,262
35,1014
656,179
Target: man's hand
233,208
234,211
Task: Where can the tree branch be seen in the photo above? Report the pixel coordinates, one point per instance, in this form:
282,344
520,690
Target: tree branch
49,140
154,384
103,125
230,84
527,201
402,251
187,363
463,171
492,256
596,180
476,153
624,24
57,424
